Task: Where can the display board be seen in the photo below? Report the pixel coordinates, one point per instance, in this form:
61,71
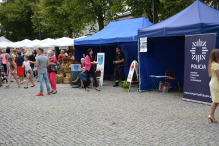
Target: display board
100,66
196,79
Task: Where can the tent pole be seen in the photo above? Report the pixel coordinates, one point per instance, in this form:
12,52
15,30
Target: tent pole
100,47
138,68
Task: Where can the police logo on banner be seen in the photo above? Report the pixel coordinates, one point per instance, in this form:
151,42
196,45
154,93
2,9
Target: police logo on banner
204,49
100,59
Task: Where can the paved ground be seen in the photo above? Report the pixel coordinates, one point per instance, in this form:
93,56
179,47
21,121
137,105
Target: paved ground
109,117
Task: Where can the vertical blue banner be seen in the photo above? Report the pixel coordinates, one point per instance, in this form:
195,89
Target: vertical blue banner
196,79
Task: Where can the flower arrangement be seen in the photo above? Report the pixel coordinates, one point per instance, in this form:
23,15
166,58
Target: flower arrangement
68,70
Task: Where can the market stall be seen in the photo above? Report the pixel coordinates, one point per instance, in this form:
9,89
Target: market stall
121,33
166,40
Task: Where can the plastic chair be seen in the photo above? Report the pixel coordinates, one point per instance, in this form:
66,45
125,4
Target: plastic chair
171,73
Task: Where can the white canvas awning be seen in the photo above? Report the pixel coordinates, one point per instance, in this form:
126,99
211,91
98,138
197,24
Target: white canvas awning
47,43
5,44
33,44
22,43
37,43
3,39
66,42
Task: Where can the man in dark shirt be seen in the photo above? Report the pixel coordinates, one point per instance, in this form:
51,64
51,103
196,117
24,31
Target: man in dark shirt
119,69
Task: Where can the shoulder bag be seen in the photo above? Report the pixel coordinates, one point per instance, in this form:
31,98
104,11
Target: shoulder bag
55,67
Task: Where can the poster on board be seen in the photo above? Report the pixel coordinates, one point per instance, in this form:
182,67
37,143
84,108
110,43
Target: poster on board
196,79
100,66
143,44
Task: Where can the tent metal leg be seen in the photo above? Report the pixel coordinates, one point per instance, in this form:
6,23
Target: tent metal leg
138,75
178,86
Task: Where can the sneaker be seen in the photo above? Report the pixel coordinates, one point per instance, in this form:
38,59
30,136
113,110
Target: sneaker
18,86
48,93
39,94
7,86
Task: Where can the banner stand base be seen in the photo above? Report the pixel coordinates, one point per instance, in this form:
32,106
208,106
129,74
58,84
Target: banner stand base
200,102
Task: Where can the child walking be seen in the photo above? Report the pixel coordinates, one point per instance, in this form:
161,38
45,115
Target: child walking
12,70
28,71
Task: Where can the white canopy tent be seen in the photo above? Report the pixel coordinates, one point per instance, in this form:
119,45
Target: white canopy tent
14,44
54,42
5,44
3,39
66,42
69,42
37,43
47,43
33,44
22,43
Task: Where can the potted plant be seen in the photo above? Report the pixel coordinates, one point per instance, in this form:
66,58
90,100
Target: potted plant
67,72
126,86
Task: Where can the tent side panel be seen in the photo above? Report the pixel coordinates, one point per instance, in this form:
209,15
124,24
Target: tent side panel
163,54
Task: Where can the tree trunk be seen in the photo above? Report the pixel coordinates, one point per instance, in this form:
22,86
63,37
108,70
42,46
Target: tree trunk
69,32
100,22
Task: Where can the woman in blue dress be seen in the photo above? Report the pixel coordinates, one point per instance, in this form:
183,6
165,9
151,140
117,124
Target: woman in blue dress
82,75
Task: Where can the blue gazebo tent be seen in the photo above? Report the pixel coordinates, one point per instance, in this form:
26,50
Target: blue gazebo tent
123,33
166,41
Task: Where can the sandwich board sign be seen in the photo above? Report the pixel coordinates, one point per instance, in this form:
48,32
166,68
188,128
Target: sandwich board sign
133,67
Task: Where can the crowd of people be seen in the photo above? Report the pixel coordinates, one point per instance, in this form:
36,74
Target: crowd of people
37,63
18,63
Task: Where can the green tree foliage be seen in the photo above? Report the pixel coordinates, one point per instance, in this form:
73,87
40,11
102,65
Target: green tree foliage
171,7
70,17
97,11
163,8
67,17
15,18
212,3
139,8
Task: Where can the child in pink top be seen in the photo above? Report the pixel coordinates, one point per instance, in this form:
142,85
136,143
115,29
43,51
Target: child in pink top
28,71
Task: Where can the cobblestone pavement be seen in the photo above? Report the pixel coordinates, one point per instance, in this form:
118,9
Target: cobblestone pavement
110,117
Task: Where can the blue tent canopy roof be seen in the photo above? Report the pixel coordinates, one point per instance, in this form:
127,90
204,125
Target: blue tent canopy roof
117,31
198,18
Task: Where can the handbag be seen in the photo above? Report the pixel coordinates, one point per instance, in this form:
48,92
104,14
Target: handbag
55,67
